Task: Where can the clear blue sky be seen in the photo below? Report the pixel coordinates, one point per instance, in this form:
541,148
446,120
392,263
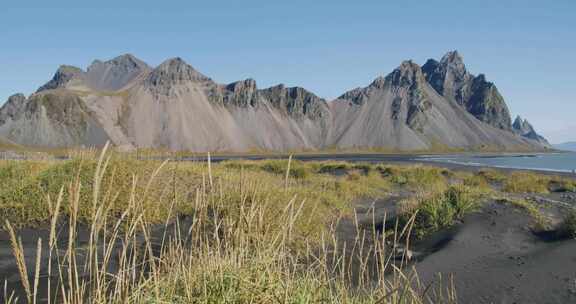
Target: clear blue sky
526,47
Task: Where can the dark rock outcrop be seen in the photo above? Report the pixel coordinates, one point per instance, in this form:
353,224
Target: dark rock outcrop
523,128
174,71
12,108
297,102
242,93
63,76
481,98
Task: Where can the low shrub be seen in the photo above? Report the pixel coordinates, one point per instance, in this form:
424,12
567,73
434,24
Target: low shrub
438,210
297,168
568,226
331,166
562,185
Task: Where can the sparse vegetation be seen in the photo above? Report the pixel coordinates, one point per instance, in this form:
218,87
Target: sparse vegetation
568,226
422,178
259,231
541,223
526,182
257,234
493,175
440,209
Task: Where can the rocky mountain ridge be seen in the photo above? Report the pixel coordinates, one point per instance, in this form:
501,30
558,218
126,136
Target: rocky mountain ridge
525,129
481,98
174,106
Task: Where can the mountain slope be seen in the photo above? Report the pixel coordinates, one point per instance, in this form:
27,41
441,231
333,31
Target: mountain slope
50,119
403,111
175,106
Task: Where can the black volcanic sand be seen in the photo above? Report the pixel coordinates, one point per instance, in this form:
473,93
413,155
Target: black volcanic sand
492,255
9,271
495,258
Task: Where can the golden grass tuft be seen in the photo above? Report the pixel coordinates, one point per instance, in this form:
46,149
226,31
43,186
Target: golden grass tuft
526,182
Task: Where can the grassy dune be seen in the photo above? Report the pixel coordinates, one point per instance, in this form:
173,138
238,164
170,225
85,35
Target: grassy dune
260,231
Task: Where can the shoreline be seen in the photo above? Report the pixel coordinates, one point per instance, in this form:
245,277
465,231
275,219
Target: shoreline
432,159
406,159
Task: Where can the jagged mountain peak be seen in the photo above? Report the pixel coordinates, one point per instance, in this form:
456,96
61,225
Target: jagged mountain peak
16,97
110,75
63,77
452,58
408,66
522,125
125,60
174,71
296,101
116,73
69,69
406,75
291,92
449,71
524,128
12,107
246,84
243,93
478,96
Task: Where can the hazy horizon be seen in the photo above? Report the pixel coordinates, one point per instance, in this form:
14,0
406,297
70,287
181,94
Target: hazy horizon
524,47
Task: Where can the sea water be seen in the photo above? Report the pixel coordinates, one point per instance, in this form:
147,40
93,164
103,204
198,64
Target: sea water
559,162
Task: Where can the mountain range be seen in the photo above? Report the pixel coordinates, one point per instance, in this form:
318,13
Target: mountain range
124,100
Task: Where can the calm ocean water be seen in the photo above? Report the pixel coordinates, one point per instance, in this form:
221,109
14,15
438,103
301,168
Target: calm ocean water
559,162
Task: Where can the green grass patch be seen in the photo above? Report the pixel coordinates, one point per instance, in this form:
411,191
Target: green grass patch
421,178
438,210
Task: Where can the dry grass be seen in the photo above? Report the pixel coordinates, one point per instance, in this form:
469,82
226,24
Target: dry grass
493,175
527,182
236,231
255,235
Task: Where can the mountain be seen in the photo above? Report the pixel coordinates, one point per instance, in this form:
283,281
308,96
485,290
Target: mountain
567,146
111,75
174,106
404,111
525,129
481,98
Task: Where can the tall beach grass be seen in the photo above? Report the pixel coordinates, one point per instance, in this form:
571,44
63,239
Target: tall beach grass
248,234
